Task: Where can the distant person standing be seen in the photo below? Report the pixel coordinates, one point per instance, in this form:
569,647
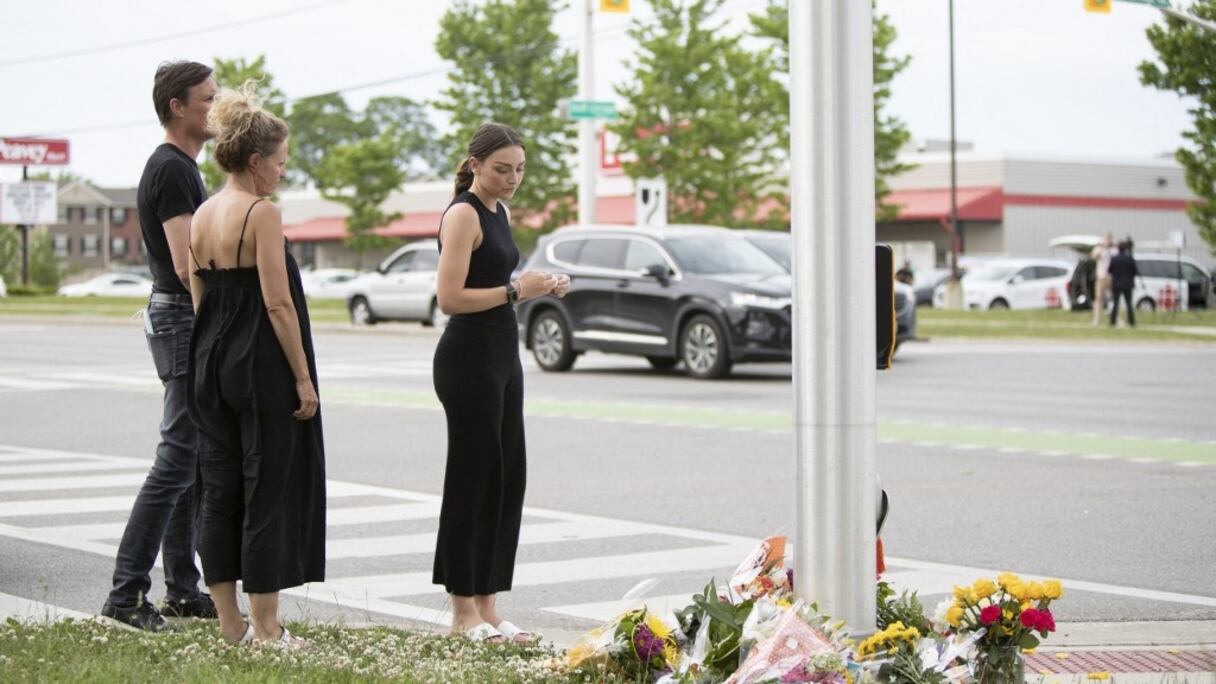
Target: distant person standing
165,514
1123,274
1102,255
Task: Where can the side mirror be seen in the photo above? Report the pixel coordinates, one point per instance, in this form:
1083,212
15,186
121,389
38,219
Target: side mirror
658,272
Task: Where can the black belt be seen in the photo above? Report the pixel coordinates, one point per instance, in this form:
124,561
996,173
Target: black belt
170,298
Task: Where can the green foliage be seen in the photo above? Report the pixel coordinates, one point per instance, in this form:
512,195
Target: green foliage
509,68
10,255
703,112
725,628
233,73
890,134
361,175
905,608
44,265
1186,55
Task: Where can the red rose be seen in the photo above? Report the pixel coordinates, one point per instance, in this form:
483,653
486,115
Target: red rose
1046,622
1030,618
990,615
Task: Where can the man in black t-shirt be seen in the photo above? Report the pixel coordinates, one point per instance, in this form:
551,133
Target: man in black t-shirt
165,512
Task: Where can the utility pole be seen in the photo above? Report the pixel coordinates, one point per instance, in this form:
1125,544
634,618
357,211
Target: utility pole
586,127
833,226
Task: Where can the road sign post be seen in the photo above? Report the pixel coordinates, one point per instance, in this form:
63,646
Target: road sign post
30,152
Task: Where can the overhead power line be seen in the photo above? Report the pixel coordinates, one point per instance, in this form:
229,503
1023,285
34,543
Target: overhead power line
166,37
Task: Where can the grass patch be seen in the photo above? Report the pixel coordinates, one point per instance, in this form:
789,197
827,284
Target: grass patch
320,310
90,651
1056,324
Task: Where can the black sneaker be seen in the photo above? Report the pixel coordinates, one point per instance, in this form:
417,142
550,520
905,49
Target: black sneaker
200,606
144,616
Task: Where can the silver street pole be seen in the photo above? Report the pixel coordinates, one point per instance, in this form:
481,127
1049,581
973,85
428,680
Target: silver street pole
832,206
1178,14
586,127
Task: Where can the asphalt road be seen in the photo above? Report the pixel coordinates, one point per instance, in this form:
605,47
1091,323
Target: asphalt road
1091,463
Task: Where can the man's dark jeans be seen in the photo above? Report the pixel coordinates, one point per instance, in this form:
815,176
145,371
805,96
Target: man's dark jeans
165,514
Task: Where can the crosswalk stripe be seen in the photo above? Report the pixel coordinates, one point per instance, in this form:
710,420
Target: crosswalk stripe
34,484
68,467
20,456
34,384
602,611
550,572
545,533
97,504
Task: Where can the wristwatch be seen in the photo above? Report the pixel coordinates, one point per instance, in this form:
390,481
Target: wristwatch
512,293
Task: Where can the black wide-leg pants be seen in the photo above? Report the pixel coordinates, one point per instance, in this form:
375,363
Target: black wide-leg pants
479,380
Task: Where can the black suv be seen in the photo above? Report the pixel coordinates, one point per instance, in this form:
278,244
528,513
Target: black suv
694,294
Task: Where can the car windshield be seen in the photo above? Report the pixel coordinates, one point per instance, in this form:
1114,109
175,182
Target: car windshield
991,273
777,248
713,255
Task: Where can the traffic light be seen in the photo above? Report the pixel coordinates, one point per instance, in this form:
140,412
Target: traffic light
614,6
1102,6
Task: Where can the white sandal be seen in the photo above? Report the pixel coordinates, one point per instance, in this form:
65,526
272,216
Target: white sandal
517,635
286,640
482,633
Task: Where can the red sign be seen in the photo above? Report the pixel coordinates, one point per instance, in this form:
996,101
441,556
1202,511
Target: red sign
33,151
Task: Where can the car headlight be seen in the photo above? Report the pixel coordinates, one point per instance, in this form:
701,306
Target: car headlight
758,301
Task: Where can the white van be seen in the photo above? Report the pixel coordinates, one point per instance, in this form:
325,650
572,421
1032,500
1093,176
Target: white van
1167,280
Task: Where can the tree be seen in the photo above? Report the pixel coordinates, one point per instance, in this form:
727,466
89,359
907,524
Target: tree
700,113
233,73
509,68
890,133
318,124
361,175
10,255
1186,54
419,151
44,266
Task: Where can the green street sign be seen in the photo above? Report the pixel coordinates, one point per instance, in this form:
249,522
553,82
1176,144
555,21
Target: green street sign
592,109
1153,3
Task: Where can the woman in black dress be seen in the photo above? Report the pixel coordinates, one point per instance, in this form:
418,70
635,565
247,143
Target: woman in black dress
253,382
479,380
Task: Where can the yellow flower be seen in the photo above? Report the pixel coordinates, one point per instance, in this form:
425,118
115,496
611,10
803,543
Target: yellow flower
955,615
960,593
983,588
1006,578
1018,591
972,597
1034,591
1100,676
1025,605
1052,589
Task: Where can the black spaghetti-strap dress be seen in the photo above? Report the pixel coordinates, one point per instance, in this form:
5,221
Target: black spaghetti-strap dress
480,382
263,515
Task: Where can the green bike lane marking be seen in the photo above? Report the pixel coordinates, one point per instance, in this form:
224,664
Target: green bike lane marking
1049,441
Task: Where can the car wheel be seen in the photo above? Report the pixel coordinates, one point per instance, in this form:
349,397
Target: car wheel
1146,304
998,304
703,348
551,343
361,312
662,362
437,318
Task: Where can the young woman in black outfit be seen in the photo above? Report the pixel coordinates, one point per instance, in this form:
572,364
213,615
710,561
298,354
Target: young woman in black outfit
253,384
479,380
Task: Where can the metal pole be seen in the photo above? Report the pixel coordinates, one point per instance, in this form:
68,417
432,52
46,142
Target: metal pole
586,127
955,236
1201,23
833,226
25,238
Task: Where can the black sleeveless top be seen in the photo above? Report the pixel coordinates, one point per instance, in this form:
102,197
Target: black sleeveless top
492,262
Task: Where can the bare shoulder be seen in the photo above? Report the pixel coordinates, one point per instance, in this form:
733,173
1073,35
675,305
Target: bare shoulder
459,221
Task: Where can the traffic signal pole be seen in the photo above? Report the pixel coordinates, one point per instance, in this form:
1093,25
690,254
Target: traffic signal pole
586,127
833,224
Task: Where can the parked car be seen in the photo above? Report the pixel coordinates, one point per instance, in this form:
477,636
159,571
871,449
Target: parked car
924,282
110,285
328,283
402,288
777,244
1013,284
1162,275
698,295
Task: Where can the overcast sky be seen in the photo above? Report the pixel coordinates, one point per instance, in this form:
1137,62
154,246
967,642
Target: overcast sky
1034,76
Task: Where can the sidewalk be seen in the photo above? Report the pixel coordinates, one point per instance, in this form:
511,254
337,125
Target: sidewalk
1127,652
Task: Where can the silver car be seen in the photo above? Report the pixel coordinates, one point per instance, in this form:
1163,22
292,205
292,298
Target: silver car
402,288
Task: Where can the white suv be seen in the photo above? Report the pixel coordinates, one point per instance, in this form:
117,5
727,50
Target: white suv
1166,277
402,288
1013,284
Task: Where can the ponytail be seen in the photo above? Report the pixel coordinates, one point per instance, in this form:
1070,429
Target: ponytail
464,177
